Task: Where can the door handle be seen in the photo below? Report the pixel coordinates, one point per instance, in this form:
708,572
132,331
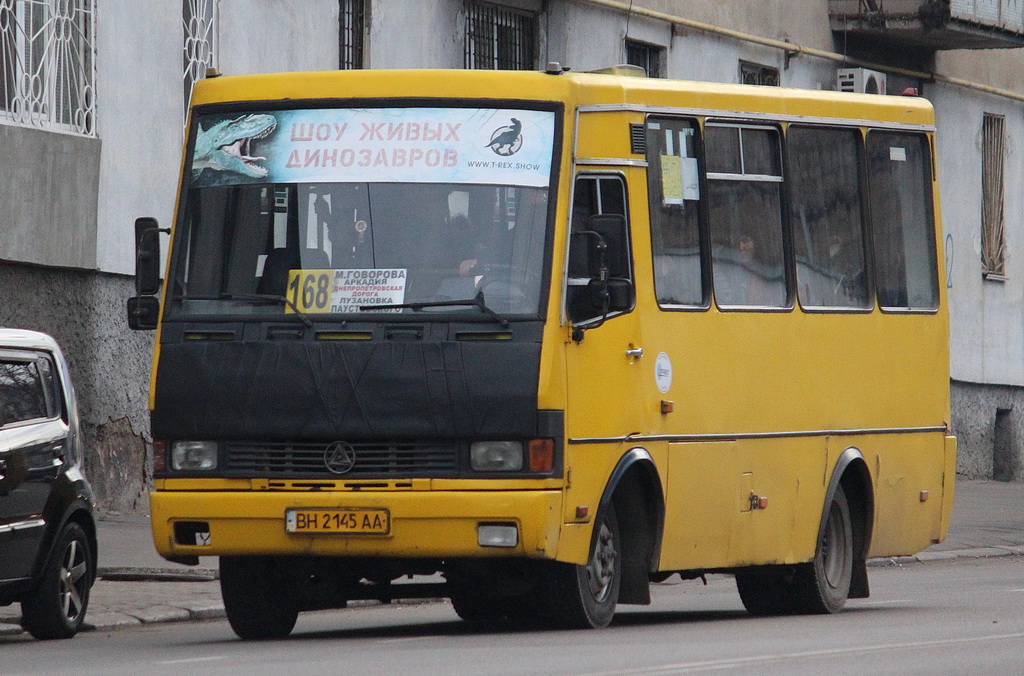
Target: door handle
635,353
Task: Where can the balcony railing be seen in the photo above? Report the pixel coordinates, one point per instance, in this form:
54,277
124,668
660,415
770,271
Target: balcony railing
932,24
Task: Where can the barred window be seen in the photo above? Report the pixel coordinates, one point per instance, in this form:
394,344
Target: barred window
48,64
758,74
351,31
199,23
648,57
993,238
499,38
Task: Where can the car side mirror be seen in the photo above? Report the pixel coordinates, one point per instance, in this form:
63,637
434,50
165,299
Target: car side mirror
143,312
147,256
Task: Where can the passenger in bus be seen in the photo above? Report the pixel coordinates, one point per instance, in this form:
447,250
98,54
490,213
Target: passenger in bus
754,288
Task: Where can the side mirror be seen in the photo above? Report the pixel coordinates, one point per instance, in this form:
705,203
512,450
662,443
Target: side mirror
143,312
620,294
147,256
612,231
611,295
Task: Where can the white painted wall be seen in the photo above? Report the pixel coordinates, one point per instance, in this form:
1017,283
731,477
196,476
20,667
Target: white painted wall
139,104
417,34
266,36
140,101
987,317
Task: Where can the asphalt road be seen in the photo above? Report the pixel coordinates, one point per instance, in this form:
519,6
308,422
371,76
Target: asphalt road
961,617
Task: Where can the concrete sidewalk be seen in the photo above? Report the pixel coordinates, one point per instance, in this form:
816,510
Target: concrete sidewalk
136,586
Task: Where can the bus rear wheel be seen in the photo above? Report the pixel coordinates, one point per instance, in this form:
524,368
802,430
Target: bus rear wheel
257,598
584,597
765,594
819,587
823,585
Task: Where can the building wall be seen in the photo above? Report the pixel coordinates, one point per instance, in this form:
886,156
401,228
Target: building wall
67,253
84,311
48,201
416,34
69,204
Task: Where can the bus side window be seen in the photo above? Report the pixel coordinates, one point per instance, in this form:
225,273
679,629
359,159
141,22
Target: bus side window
744,171
594,196
826,216
899,179
674,195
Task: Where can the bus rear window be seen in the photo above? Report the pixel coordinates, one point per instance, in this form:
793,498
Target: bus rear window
899,178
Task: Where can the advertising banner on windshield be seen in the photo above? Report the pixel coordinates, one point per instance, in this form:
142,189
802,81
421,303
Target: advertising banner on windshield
392,145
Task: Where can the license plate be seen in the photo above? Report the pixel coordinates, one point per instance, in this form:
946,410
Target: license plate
345,521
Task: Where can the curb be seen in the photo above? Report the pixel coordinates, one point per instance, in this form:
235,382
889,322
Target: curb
130,574
948,555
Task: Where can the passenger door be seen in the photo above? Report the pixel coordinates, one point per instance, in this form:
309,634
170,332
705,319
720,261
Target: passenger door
33,441
604,359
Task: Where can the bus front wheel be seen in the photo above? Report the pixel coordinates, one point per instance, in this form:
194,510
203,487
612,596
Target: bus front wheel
585,596
257,598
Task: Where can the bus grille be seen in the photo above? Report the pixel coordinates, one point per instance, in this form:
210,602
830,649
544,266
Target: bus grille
372,459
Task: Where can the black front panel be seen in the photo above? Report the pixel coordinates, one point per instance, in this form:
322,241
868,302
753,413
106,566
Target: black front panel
352,390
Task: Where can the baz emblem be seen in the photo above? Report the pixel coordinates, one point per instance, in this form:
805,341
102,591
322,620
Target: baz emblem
340,457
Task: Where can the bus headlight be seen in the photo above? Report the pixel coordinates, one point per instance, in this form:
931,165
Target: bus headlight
496,456
194,455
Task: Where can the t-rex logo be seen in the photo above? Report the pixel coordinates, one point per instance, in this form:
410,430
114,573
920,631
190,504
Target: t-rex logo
507,140
226,146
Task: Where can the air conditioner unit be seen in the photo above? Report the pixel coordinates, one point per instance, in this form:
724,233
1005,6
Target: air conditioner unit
860,81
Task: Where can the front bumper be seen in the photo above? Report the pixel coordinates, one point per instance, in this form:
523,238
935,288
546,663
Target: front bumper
424,524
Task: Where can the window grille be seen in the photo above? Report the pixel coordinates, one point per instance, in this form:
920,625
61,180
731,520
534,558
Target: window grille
500,38
199,22
758,74
644,55
993,238
351,27
48,64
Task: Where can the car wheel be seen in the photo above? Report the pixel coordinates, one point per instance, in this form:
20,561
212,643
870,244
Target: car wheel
258,600
57,605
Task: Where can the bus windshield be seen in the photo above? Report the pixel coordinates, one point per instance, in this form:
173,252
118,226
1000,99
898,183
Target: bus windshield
280,216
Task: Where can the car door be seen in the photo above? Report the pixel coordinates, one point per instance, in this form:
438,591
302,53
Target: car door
33,440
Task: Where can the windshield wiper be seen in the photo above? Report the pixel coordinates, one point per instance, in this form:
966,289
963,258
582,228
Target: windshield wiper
477,301
269,298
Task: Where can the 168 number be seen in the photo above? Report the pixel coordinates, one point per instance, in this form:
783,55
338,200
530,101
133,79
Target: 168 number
310,291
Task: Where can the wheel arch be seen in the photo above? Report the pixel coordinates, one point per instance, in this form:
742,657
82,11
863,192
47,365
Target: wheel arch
634,489
851,472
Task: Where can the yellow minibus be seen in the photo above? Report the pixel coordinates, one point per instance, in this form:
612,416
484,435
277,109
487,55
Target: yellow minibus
545,338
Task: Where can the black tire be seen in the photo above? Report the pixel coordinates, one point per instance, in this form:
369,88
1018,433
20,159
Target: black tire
822,586
486,610
766,594
56,606
584,597
258,599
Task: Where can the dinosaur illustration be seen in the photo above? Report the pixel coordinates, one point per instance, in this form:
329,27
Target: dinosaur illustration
507,140
225,145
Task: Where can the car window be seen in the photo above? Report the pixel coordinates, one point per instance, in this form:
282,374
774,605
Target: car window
23,395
